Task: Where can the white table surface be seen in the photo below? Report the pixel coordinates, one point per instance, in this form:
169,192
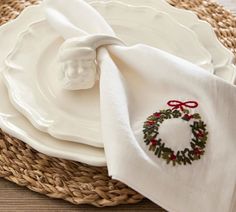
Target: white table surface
229,4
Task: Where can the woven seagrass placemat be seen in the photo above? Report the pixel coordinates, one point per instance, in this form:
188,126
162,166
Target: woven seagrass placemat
73,181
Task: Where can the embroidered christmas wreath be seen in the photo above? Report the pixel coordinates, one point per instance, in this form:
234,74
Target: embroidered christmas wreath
158,146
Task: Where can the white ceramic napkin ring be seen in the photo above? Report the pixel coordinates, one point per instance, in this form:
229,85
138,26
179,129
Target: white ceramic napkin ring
77,57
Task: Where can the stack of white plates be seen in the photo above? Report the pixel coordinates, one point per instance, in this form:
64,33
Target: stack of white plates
66,124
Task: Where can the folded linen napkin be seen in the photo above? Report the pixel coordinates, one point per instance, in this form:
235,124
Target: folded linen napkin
168,126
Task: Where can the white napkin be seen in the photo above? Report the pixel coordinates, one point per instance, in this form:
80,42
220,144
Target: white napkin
136,82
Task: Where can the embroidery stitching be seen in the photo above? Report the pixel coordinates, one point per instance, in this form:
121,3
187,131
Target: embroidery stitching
198,128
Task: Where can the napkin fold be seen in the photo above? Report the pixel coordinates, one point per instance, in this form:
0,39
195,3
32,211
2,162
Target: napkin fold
142,90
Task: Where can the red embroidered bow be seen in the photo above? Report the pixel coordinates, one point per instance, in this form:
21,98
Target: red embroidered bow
175,104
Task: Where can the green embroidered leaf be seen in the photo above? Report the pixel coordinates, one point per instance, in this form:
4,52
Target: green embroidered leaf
196,116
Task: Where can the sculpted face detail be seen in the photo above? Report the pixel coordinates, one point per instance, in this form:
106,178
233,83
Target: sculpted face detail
78,68
78,61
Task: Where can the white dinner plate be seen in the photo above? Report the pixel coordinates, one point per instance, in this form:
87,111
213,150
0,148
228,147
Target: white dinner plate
15,124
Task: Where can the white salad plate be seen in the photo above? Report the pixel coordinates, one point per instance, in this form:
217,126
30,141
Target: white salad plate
74,115
14,123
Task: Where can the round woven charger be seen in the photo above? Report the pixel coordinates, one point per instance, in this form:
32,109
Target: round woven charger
73,181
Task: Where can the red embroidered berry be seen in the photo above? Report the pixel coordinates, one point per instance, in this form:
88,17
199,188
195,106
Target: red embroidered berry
200,134
157,115
150,122
197,151
154,142
188,117
173,157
